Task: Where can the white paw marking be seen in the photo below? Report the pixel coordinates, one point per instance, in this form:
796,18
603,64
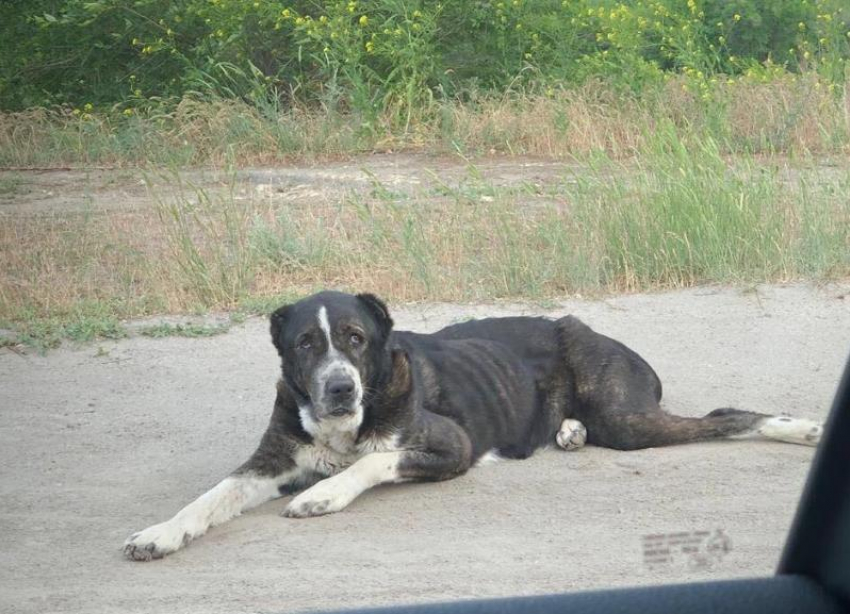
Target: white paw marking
326,497
572,435
791,430
227,499
156,541
335,493
488,458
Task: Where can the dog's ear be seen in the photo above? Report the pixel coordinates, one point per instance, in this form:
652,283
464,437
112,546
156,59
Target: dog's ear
379,311
278,320
400,382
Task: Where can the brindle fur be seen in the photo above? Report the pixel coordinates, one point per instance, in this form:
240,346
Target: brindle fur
359,404
498,384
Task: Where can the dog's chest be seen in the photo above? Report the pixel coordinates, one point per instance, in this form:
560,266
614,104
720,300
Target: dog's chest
329,456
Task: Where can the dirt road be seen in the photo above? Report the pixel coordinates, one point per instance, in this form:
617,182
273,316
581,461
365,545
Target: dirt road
102,440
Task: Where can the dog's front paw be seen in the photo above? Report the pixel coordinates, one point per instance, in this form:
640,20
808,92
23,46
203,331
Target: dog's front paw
326,497
155,542
572,435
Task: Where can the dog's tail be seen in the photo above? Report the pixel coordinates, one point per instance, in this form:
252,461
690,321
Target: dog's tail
658,428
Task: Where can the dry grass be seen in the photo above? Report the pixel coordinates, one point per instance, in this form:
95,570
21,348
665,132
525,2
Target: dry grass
671,195
687,217
796,114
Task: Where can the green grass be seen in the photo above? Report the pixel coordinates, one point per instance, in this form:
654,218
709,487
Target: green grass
188,329
82,325
265,304
207,236
46,333
11,185
689,218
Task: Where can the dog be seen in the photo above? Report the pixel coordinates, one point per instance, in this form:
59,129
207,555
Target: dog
359,404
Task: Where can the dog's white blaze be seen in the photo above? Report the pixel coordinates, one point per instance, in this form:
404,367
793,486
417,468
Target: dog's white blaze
336,362
325,325
224,501
335,493
488,458
782,428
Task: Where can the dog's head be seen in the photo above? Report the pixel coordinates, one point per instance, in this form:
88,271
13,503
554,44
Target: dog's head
333,350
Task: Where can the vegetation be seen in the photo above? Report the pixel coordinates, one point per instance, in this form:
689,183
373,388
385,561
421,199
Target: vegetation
697,129
683,215
198,81
367,55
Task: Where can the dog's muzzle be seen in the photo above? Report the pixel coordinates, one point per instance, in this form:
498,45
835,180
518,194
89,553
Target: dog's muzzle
339,395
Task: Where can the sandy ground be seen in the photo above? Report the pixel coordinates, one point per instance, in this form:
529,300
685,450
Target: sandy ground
102,440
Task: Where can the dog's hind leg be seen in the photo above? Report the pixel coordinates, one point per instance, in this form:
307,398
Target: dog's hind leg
616,394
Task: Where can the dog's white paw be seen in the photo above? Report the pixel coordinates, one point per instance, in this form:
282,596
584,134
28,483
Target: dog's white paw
156,541
572,435
326,497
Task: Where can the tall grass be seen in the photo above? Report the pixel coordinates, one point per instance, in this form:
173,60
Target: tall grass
788,113
679,214
207,239
691,218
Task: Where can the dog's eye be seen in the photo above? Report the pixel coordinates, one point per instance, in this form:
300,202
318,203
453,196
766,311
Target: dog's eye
305,343
356,338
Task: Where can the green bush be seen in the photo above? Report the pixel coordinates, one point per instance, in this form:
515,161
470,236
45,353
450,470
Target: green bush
364,55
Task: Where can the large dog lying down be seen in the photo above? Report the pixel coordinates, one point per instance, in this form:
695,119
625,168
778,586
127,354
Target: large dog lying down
359,405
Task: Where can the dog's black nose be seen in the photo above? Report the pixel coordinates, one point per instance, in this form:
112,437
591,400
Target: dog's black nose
340,388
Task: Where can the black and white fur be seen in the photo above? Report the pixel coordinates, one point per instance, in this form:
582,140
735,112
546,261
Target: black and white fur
359,404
